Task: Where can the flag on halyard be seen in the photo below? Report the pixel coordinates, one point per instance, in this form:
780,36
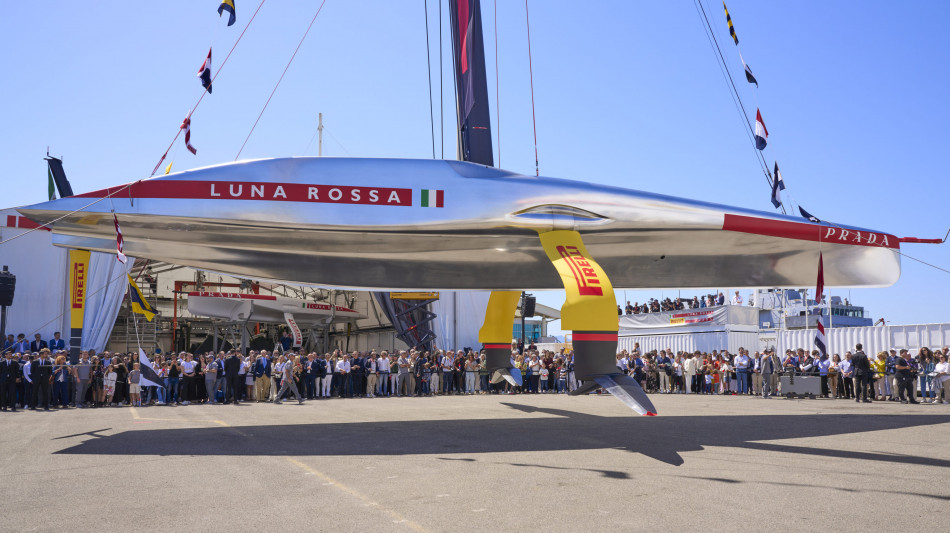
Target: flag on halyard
168,168
732,31
52,184
186,125
808,215
118,241
432,198
748,71
820,338
761,134
137,301
820,285
149,377
227,5
778,185
204,73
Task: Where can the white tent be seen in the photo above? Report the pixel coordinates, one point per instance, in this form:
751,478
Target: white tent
40,302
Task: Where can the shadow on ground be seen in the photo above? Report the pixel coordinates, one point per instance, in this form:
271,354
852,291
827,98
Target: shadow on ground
662,438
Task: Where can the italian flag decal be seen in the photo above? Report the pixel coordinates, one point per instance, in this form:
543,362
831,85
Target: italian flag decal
432,198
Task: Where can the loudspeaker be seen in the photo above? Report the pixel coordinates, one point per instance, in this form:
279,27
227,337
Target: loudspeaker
7,286
529,302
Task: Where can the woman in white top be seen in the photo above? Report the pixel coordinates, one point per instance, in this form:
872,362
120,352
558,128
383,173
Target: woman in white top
109,383
942,379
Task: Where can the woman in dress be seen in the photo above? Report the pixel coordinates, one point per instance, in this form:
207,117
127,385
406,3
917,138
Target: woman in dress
109,384
96,382
247,366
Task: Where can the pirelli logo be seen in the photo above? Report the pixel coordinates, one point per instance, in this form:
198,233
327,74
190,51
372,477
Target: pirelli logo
78,296
588,284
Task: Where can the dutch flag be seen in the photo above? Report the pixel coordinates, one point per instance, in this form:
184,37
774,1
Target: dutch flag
761,134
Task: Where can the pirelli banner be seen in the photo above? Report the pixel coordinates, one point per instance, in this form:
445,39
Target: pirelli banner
77,278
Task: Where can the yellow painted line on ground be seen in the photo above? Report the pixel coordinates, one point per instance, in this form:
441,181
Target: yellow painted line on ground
135,413
397,518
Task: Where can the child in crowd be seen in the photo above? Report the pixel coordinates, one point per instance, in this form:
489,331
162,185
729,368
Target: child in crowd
545,373
109,384
135,390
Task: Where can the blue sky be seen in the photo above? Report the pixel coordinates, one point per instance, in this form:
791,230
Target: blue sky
626,93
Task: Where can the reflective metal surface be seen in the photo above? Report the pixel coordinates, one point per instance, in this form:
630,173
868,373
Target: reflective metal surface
431,225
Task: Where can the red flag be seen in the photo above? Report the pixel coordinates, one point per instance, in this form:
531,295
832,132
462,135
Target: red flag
820,288
186,125
118,241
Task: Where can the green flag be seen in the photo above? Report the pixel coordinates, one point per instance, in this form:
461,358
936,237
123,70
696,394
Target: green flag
52,184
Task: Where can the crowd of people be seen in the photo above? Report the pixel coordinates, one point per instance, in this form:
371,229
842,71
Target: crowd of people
667,304
46,379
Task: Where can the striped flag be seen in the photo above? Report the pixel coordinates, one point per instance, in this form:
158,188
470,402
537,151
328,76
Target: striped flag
118,241
227,5
761,134
432,198
820,338
732,31
149,377
778,185
204,73
748,71
186,125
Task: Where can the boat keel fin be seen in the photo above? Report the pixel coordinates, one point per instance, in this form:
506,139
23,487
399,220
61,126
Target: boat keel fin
590,312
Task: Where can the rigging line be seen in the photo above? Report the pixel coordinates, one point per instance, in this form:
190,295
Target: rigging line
745,115
759,160
203,91
310,142
57,219
441,90
314,19
332,136
534,123
497,82
429,72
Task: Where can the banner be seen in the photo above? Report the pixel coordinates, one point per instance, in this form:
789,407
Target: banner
294,329
77,279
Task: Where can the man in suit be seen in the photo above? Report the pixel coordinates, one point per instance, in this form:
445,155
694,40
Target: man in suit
862,374
767,367
907,377
38,343
21,345
41,370
9,377
56,343
262,369
232,369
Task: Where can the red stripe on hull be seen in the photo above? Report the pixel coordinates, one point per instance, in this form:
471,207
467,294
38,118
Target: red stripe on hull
808,232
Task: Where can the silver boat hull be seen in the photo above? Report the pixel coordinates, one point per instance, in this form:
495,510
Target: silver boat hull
448,225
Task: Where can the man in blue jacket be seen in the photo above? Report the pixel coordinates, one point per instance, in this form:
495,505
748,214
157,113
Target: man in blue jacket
262,370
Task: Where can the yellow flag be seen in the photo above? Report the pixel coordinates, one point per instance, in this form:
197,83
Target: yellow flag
139,305
168,168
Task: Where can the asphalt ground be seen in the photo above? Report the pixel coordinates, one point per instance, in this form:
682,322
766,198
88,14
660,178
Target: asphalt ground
483,463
